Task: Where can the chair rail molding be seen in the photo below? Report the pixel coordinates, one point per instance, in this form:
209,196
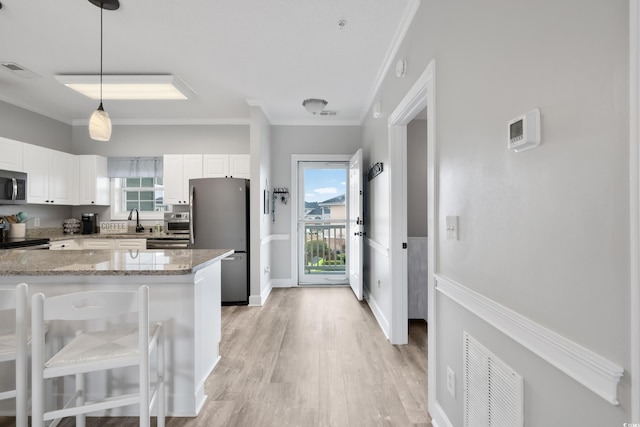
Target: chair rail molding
595,372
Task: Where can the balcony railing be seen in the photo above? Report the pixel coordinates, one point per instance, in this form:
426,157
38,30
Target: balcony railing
325,248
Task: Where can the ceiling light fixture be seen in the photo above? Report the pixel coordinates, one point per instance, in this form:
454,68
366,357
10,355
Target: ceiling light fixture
128,86
314,106
100,124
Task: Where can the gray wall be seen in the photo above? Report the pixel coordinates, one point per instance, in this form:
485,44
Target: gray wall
154,140
289,140
417,178
545,233
26,126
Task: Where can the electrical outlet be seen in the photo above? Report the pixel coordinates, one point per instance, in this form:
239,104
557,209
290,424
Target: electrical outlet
451,382
36,222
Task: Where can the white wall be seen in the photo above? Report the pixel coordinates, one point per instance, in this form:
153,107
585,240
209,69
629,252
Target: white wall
286,141
260,224
545,232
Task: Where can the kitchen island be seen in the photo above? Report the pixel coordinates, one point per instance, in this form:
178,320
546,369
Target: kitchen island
184,293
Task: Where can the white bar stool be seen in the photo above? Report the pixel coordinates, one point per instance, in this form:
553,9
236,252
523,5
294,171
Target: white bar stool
97,350
14,346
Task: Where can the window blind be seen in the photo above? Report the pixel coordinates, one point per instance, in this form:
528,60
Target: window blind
134,167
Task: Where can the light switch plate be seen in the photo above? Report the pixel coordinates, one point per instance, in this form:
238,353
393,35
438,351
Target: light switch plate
451,382
452,227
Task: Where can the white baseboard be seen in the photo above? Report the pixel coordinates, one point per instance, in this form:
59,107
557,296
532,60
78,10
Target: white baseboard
598,374
283,283
377,313
259,300
438,417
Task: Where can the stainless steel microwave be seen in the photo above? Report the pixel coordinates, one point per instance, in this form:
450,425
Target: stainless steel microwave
13,188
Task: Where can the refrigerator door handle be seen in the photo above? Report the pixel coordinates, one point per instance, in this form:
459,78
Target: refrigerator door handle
192,234
229,258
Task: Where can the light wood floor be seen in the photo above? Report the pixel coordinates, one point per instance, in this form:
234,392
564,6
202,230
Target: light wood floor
309,357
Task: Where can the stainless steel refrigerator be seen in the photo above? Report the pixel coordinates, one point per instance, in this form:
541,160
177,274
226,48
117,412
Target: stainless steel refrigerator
219,211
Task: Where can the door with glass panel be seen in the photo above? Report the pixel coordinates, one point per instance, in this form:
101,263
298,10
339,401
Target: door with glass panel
322,222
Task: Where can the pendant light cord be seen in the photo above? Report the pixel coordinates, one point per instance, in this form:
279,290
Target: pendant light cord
101,12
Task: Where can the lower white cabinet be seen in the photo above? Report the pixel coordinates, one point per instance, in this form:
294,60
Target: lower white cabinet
65,245
130,244
98,243
90,243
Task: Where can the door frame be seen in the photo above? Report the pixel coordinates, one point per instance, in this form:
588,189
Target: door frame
421,95
634,202
295,158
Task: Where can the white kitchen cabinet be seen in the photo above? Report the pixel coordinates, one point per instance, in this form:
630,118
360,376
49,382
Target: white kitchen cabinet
178,169
11,157
65,245
240,166
226,165
52,175
98,243
93,181
215,165
132,244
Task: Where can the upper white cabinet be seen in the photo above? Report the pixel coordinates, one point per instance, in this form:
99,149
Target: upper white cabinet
11,157
52,175
226,165
240,166
215,165
93,181
178,170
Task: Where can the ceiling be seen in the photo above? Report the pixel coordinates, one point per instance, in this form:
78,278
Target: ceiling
231,53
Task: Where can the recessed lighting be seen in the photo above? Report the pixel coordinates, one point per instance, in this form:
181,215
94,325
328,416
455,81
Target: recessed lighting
128,87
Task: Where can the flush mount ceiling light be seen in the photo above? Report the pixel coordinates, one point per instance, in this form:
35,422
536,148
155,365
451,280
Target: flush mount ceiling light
128,87
314,106
100,124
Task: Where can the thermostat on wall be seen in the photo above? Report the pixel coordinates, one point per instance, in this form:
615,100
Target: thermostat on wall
524,131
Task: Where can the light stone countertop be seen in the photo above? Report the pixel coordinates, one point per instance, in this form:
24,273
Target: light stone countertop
17,262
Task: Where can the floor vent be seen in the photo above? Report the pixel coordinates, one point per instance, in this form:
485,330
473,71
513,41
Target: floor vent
493,392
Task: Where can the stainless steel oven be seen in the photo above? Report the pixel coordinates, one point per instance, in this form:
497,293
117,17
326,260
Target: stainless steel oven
176,223
167,243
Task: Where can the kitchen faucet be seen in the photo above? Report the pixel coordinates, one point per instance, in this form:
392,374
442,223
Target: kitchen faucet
139,226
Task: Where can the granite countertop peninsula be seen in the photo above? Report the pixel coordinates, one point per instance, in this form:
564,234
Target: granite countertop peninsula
108,262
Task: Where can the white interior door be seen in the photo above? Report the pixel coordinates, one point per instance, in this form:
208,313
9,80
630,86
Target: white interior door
356,229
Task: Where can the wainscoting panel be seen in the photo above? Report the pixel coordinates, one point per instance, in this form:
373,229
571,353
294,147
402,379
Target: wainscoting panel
595,372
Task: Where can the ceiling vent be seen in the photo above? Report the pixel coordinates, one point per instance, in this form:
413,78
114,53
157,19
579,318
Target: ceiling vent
328,113
20,70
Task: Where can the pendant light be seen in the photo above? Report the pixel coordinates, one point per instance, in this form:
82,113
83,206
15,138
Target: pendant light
100,124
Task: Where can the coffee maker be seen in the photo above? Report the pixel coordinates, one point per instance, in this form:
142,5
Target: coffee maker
89,223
